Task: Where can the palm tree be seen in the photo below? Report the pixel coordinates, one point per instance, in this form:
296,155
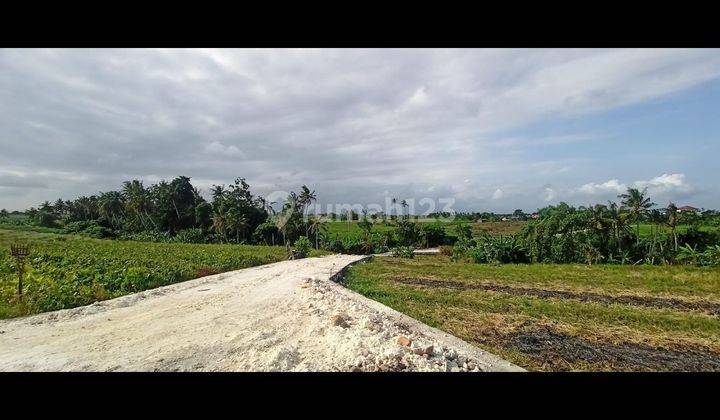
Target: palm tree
111,206
220,224
638,203
282,220
404,204
138,201
237,222
672,221
317,225
618,222
306,197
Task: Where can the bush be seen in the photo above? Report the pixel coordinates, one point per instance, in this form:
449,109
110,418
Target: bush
45,219
99,232
489,249
408,233
303,246
403,252
697,238
434,234
190,236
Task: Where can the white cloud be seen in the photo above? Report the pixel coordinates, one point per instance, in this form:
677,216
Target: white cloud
664,182
352,123
660,188
612,186
667,187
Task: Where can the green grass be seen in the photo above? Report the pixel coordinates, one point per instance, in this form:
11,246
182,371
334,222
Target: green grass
647,229
491,307
65,271
344,229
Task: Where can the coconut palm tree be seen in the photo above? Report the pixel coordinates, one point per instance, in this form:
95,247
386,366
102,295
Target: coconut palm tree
237,222
138,201
404,204
638,204
111,206
618,222
220,224
306,197
317,225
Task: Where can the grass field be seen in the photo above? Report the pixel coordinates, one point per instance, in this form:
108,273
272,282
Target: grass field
351,229
560,317
65,271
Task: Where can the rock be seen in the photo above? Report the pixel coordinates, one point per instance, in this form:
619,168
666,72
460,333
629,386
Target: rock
340,320
372,325
404,341
421,350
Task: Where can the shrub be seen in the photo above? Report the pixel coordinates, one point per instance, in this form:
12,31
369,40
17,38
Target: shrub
408,233
99,232
403,252
303,246
190,236
434,233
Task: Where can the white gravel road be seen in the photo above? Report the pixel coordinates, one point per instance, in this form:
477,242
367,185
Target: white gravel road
287,316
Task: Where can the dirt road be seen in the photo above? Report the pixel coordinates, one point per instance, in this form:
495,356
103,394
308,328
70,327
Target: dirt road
286,316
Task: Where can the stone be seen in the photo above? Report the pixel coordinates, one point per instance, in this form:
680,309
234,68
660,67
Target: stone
404,341
421,350
340,320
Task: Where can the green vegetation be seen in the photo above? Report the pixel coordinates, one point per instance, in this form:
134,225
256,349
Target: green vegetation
173,212
603,234
560,316
65,271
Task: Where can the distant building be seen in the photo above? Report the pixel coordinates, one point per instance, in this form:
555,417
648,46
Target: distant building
535,216
688,209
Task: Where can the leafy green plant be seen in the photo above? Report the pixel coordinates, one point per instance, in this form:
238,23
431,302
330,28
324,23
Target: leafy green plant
303,246
688,254
403,252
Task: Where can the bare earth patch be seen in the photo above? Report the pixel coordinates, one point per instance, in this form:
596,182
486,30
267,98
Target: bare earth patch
554,349
710,308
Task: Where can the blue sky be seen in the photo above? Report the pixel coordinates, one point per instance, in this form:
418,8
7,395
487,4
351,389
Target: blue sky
491,129
675,134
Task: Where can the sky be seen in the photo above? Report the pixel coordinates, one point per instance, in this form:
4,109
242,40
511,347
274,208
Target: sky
492,130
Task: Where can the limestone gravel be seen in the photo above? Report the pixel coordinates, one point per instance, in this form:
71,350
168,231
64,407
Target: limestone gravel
287,316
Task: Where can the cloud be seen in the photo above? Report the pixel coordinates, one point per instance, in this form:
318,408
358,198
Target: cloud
665,187
668,187
498,194
665,182
351,123
218,149
15,181
612,186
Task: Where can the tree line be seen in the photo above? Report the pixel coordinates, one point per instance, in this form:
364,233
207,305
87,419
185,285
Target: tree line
176,211
605,233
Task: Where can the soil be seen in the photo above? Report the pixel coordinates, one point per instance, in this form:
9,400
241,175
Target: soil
554,350
710,308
